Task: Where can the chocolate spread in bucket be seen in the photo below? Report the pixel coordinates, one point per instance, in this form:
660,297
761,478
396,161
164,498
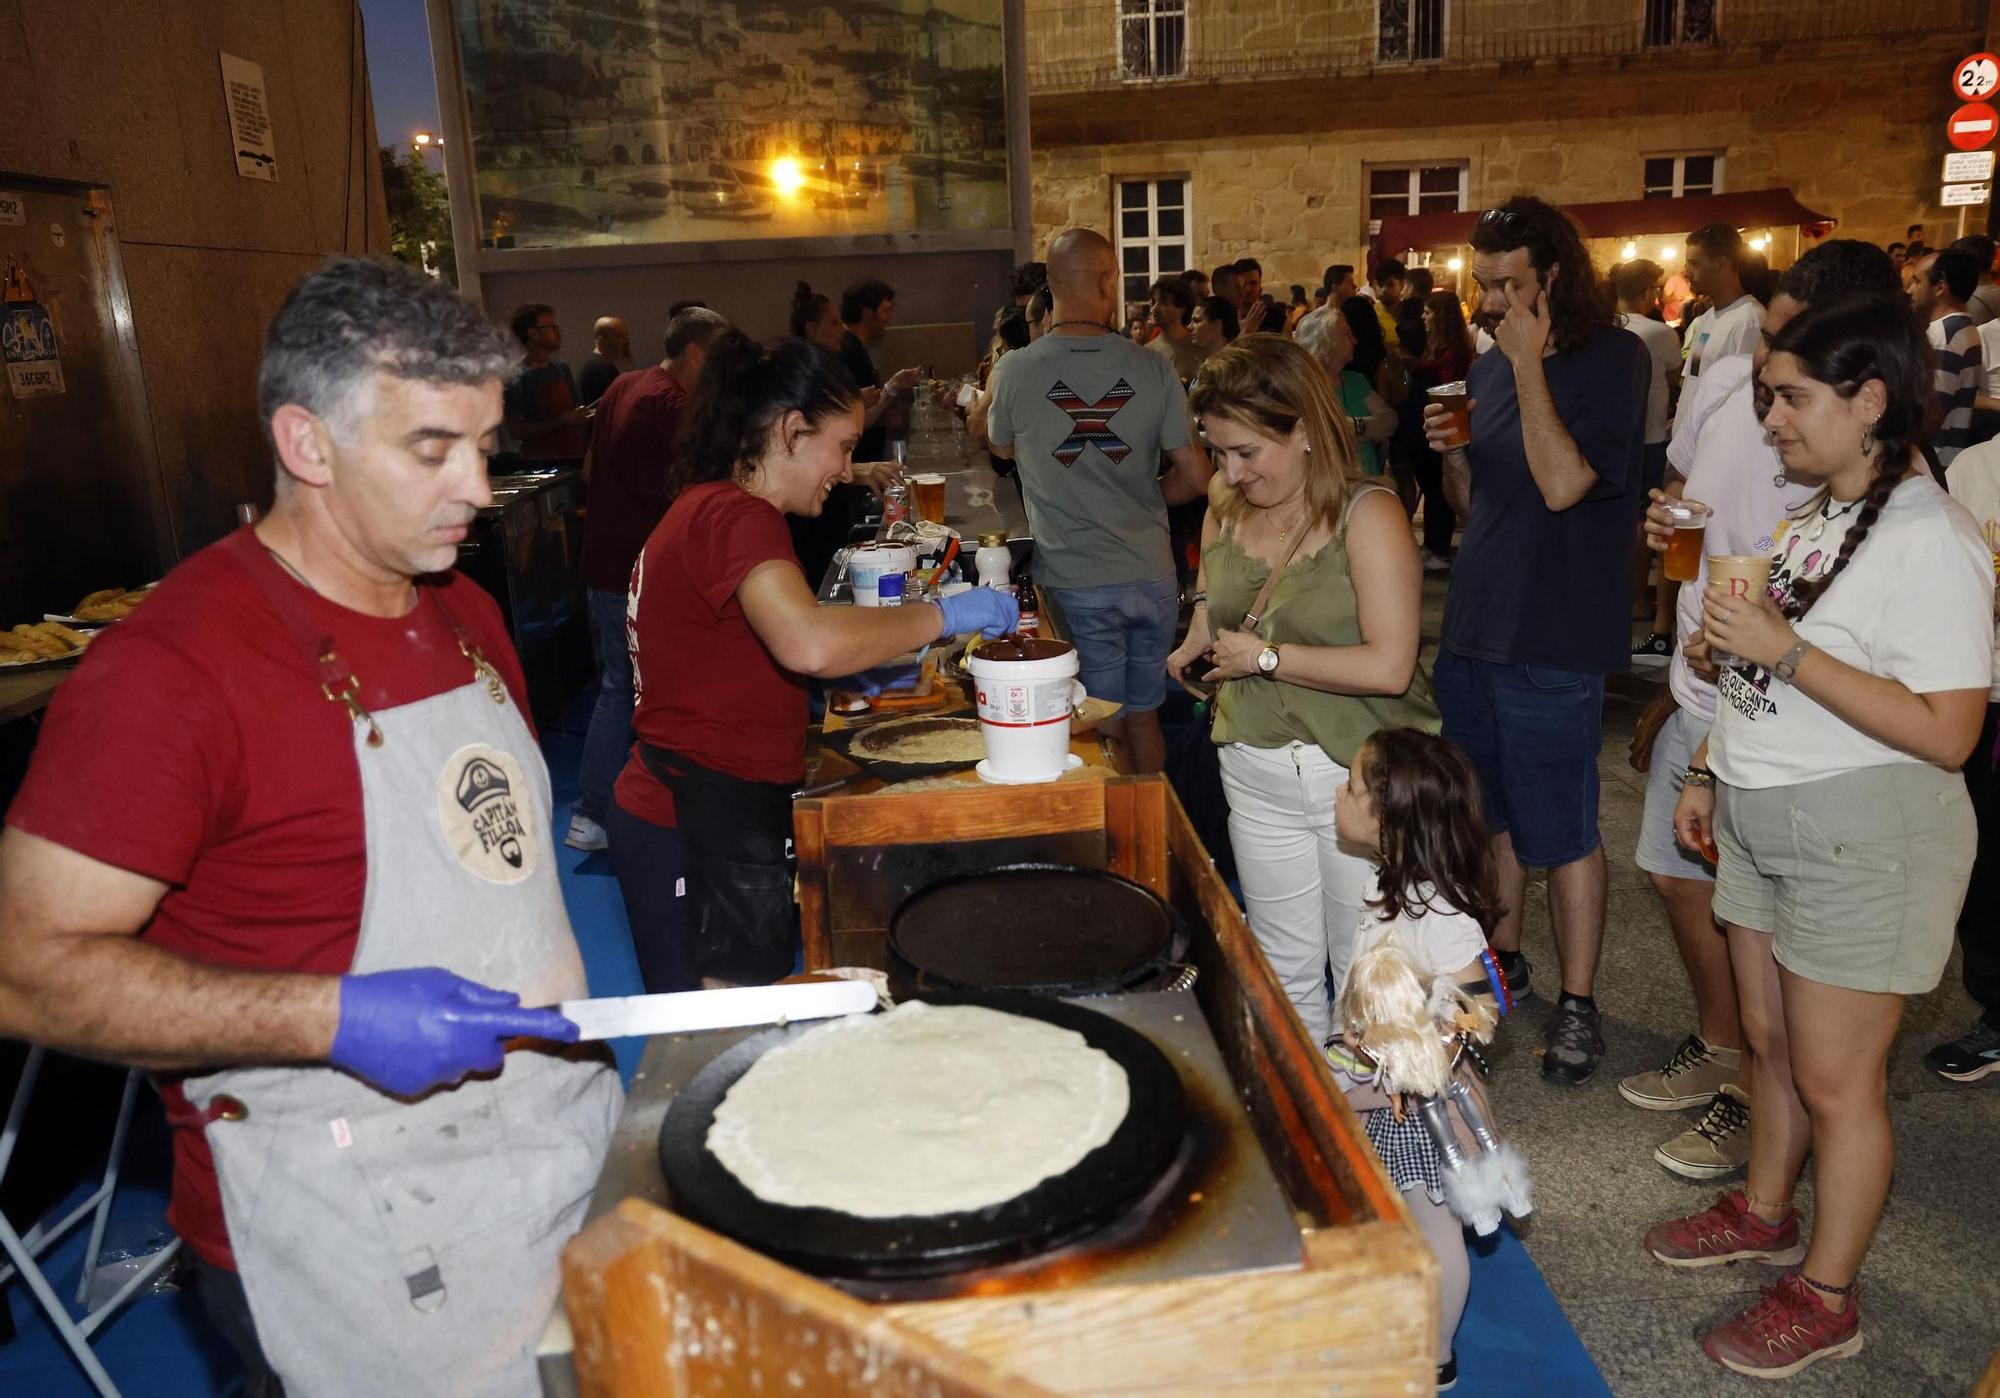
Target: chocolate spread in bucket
1014,647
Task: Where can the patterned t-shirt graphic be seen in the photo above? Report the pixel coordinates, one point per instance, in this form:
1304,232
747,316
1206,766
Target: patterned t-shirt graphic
1092,422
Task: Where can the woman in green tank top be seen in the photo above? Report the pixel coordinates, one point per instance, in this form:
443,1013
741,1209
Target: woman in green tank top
1331,659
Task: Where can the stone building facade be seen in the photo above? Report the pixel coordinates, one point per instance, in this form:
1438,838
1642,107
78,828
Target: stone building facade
1281,128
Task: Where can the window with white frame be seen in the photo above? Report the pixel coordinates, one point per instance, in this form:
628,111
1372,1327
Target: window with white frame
1153,236
1409,30
1671,176
1415,189
1152,39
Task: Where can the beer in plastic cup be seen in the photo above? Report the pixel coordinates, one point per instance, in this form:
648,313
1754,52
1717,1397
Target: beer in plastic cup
1458,418
1683,557
930,497
1738,575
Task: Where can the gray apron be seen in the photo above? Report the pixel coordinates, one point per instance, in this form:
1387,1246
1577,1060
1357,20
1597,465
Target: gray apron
397,1246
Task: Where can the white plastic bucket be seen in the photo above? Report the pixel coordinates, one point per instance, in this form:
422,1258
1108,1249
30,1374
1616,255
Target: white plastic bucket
878,572
1024,713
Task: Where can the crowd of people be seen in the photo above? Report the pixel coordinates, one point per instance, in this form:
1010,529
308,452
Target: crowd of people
1812,838
1222,486
1223,491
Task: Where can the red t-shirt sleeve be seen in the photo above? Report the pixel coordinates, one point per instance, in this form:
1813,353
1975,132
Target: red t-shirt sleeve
740,532
133,760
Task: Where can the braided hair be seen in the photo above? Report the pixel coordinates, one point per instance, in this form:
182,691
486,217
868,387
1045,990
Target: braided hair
1844,345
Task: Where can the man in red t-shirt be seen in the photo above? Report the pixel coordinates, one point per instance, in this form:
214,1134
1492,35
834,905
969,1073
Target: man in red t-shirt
632,451
286,841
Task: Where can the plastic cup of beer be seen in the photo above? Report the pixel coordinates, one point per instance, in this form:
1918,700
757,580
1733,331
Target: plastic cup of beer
1738,575
1451,396
930,497
1682,562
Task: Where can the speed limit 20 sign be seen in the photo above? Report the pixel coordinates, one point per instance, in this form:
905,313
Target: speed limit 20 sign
1976,78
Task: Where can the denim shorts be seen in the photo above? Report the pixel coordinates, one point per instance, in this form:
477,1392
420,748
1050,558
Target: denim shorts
1123,634
1532,733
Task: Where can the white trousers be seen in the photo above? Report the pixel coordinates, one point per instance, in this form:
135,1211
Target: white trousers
1304,893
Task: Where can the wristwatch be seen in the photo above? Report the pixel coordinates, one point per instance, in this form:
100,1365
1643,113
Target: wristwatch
1698,776
1788,663
1267,661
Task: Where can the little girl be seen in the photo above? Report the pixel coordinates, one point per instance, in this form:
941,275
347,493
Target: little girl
1412,803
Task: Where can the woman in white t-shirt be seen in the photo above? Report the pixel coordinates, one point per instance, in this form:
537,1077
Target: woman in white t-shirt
1838,812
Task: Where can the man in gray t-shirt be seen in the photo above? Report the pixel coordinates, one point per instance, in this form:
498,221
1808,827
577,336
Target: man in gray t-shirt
1086,415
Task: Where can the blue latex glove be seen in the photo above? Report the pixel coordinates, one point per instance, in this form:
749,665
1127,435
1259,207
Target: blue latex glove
408,1031
873,682
981,609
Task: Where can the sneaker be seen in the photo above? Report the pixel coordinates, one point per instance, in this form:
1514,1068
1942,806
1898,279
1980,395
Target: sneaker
1729,1232
1691,1077
1517,970
585,834
1969,1057
1575,1041
1715,1146
1789,1328
1436,563
1448,1374
1653,652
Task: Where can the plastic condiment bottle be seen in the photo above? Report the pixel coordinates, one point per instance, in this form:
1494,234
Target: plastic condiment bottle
994,558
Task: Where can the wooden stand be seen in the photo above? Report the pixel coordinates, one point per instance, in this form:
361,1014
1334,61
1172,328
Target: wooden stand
1358,1315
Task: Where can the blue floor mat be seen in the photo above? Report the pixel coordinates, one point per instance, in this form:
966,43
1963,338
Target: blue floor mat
1514,1340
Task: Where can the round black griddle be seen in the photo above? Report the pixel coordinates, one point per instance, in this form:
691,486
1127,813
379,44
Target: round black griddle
1055,929
850,744
828,1243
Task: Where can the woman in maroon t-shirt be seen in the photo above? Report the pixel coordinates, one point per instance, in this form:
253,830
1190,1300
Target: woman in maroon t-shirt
725,634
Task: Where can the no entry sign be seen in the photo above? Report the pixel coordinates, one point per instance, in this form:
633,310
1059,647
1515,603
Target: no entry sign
1973,126
1977,77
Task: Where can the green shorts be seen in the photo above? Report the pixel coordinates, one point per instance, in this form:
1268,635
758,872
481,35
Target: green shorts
1858,877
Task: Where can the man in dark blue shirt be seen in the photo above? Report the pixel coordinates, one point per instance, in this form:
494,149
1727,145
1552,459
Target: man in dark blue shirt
1538,613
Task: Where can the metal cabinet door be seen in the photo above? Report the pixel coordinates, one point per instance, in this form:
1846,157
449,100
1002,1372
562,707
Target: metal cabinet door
81,503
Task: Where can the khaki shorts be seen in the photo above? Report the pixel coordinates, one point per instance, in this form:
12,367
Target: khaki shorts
1858,877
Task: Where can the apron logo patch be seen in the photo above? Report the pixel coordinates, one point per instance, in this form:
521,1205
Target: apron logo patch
487,813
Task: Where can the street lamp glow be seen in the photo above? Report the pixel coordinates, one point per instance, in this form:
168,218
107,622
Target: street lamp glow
786,176
1760,242
1669,253
1456,264
1628,252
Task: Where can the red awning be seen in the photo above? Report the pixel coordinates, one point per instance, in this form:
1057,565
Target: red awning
1620,218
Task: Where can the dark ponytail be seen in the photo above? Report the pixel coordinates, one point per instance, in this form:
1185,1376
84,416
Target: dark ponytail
1844,345
744,390
808,306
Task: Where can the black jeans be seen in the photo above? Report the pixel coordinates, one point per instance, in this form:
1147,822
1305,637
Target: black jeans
650,862
221,1293
1979,920
1440,520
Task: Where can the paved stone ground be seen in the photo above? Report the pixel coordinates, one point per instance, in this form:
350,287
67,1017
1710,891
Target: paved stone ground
1931,1304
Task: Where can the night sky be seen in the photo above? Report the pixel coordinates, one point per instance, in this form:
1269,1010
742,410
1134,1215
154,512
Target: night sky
399,69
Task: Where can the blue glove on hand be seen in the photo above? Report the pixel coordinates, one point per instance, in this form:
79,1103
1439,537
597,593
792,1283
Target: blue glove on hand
873,682
981,609
408,1031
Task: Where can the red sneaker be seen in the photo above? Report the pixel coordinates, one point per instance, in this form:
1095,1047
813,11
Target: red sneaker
1729,1232
1785,1331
